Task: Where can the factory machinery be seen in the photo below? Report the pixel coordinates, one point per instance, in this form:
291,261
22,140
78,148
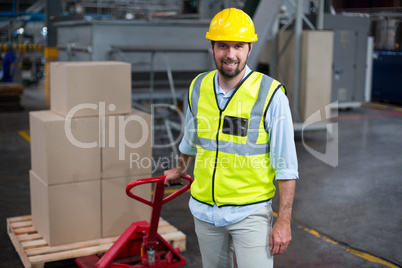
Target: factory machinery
130,26
387,58
165,44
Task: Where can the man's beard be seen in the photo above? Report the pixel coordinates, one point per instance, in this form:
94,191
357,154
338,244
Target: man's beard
230,75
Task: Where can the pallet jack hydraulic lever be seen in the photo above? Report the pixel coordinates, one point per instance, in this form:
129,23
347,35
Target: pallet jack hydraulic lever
140,245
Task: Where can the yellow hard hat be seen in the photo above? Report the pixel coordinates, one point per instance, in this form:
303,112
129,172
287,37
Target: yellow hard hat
232,24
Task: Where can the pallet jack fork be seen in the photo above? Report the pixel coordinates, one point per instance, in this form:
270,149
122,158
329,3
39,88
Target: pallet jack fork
140,245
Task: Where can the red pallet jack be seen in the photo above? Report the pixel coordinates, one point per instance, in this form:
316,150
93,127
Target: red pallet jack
140,245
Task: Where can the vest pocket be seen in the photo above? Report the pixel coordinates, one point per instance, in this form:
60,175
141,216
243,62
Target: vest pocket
236,126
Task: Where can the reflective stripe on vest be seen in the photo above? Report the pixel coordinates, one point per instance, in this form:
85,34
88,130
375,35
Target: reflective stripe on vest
232,165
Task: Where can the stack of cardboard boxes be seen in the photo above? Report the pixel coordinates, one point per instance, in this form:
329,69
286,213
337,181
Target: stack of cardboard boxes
84,152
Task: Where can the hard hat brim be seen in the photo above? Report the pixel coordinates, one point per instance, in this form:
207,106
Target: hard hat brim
231,38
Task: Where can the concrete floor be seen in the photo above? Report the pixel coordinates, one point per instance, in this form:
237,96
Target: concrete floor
344,216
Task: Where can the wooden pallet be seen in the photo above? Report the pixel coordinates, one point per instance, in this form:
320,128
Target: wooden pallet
34,251
10,89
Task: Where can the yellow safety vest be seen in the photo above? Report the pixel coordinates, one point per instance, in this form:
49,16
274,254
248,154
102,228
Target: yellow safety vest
232,165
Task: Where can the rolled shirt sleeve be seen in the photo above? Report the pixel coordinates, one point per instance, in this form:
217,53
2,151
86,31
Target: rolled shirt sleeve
281,138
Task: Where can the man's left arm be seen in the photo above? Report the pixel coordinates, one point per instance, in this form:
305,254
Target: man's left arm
284,160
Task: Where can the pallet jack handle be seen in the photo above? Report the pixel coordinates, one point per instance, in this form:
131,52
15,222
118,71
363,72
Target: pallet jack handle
157,202
159,183
125,247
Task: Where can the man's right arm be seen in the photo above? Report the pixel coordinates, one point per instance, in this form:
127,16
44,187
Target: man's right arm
188,150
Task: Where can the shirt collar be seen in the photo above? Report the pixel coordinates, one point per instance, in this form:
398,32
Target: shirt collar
220,91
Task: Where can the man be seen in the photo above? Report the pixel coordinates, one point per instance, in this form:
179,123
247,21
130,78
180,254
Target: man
239,127
8,64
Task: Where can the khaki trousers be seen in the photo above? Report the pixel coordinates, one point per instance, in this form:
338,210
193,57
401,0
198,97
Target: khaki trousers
249,239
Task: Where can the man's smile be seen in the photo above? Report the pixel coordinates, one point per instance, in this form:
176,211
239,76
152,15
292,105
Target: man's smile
231,64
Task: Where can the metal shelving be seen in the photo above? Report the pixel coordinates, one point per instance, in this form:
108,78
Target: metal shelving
126,9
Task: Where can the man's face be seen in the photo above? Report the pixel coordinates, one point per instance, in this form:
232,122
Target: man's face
230,57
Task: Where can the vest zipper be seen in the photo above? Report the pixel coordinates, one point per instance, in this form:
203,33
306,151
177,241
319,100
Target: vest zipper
219,128
216,156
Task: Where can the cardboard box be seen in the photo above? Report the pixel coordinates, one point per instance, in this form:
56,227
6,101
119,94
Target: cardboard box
315,70
90,88
119,210
127,148
66,213
55,154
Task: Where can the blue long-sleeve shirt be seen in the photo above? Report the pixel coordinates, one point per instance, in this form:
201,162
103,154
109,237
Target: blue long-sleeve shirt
282,154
